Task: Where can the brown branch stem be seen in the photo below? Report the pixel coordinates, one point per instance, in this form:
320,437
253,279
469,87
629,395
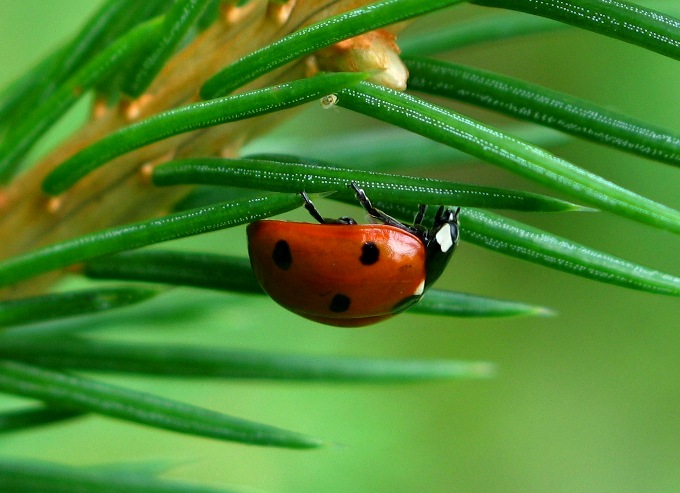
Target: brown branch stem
119,193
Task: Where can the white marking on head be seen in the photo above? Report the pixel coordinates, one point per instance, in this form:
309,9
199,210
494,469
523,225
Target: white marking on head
420,289
444,237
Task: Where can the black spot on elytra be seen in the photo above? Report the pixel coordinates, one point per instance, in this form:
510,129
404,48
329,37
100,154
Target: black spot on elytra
406,303
369,253
281,255
340,303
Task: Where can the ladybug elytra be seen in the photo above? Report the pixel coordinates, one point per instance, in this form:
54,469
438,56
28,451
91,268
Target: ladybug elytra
346,274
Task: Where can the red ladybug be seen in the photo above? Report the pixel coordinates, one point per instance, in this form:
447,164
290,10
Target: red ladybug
342,273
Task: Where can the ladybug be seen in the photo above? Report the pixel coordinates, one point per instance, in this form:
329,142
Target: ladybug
346,274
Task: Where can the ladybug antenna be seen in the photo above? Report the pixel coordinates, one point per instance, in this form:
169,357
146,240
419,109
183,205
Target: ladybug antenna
445,215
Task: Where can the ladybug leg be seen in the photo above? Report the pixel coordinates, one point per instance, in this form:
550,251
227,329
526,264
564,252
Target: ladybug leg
311,209
315,214
438,217
422,208
376,213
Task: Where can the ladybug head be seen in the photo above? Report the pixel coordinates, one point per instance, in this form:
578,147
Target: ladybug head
441,242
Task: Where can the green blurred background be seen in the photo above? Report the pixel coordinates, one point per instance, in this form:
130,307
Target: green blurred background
588,400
